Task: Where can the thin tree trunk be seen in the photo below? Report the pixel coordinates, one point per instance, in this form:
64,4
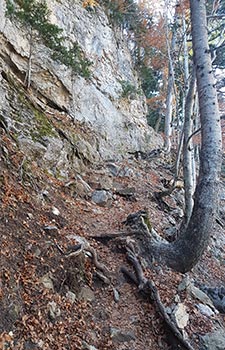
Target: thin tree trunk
169,95
27,80
178,157
158,122
188,151
186,76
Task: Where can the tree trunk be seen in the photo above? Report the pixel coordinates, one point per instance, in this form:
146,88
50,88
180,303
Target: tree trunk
187,150
185,252
170,90
27,80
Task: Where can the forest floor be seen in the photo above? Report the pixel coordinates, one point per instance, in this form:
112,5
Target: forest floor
50,301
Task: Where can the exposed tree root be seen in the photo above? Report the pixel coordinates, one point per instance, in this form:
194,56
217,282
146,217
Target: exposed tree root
85,247
182,254
106,237
149,289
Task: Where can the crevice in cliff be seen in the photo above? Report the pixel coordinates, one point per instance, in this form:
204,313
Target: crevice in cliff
13,68
47,102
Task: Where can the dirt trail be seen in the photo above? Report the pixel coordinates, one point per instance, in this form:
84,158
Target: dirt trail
48,301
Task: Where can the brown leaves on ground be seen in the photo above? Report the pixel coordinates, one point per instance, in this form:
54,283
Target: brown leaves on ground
40,315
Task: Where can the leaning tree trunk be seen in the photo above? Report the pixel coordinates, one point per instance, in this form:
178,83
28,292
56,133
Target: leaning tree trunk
185,252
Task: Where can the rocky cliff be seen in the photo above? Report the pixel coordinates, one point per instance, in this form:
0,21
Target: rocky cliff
64,121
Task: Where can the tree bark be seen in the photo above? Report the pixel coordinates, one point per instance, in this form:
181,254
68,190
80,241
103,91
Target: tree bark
187,150
27,80
170,90
184,253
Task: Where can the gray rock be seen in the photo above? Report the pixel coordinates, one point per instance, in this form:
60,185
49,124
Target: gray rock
29,345
120,336
116,295
86,294
86,346
217,295
47,281
126,192
37,252
126,172
71,296
51,230
205,310
101,197
184,284
82,188
105,183
180,315
113,169
178,213
55,211
214,341
14,311
53,310
201,296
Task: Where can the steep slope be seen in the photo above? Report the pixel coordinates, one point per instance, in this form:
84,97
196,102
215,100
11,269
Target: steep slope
49,300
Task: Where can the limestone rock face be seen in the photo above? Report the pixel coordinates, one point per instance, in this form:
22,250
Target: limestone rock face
117,124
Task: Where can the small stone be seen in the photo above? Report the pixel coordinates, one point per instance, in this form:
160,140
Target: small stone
113,168
82,188
181,316
205,310
86,294
178,213
126,192
200,295
177,298
29,345
134,319
55,211
168,310
52,230
37,252
71,296
47,281
172,220
185,283
41,343
54,310
45,193
126,172
86,346
14,311
116,295
120,336
101,197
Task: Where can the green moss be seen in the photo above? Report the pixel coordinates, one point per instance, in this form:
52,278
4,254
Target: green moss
75,138
43,126
148,223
